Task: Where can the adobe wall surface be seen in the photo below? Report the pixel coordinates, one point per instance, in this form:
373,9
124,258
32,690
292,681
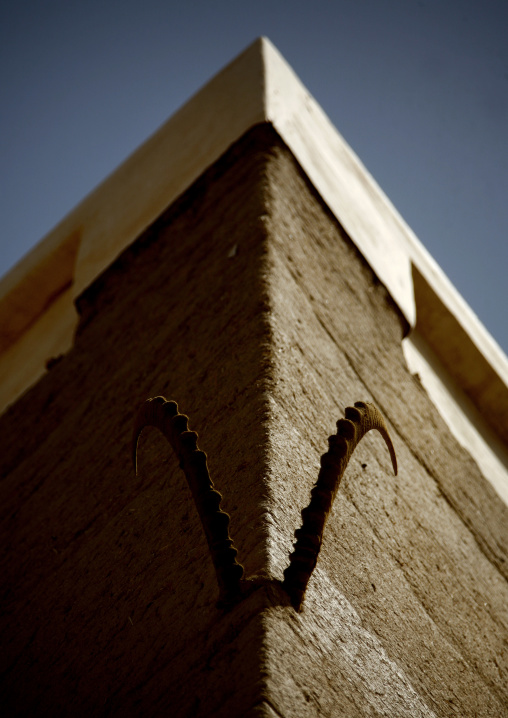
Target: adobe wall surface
109,591
408,605
247,304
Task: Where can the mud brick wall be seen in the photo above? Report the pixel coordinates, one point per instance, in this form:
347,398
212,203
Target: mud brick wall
247,304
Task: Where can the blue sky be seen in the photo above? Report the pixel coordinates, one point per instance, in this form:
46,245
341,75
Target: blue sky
419,89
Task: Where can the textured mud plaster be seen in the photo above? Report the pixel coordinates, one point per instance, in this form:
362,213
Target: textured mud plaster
109,600
109,595
412,555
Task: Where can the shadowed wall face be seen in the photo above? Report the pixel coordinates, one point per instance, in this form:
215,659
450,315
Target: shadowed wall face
107,576
247,304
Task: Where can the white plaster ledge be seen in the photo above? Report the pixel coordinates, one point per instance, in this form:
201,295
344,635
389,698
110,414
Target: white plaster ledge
258,86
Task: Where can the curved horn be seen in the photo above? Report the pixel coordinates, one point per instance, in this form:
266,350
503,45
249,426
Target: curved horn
164,416
350,431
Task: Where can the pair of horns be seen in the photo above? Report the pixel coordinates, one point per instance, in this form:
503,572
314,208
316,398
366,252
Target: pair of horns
360,419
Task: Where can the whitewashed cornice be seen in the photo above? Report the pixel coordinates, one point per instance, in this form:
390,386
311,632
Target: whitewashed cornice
37,316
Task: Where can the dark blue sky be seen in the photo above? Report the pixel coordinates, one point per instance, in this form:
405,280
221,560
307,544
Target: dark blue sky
418,89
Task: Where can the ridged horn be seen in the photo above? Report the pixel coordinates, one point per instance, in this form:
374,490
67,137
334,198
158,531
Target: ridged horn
350,431
164,415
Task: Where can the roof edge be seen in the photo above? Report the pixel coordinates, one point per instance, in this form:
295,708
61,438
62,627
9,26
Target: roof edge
258,86
389,245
